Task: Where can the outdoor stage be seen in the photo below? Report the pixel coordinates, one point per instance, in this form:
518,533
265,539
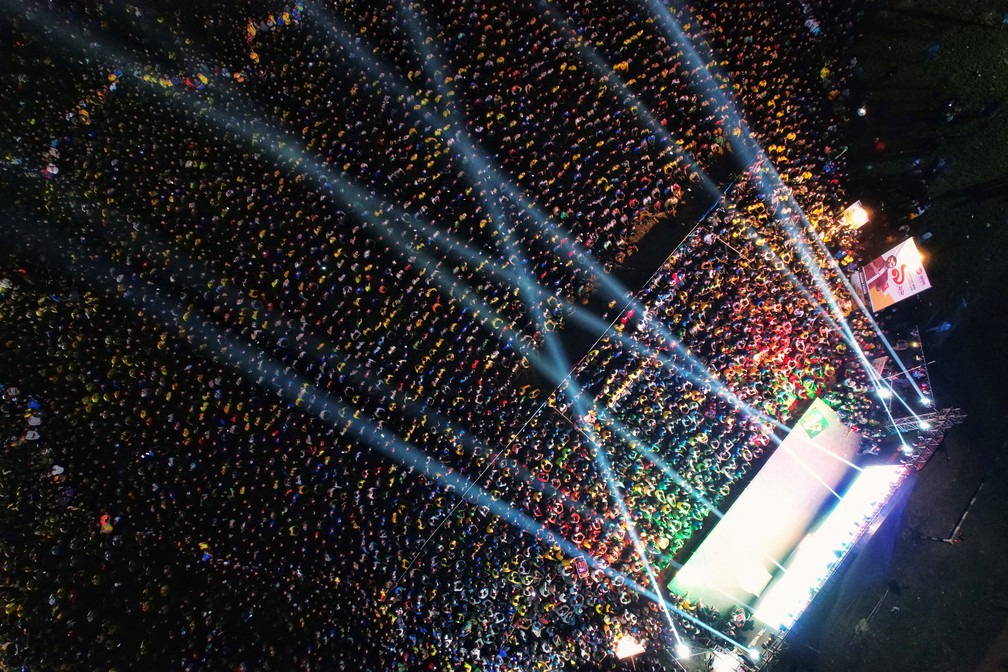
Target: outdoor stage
789,530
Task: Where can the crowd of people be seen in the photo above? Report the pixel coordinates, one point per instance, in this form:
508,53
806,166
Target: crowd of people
280,283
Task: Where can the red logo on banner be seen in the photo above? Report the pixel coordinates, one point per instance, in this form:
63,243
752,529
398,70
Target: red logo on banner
900,275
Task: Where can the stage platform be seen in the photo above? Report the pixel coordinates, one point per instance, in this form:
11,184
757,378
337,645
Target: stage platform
740,556
788,532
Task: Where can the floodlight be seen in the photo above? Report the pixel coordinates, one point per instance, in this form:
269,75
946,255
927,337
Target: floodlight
855,216
627,647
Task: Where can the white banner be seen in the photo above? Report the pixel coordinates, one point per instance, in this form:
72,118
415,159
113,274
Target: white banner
895,275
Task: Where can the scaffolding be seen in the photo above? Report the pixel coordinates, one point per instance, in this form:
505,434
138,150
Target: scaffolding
928,440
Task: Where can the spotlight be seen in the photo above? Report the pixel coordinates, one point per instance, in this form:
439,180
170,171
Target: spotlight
682,650
884,393
754,655
906,450
627,647
862,111
924,424
855,216
925,400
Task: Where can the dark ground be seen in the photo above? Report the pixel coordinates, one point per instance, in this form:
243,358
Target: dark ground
935,78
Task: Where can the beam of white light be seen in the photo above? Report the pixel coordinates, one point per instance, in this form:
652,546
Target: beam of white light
625,96
469,154
530,290
256,366
576,396
712,89
285,152
846,335
616,494
626,435
457,247
289,154
262,370
365,206
628,438
637,541
558,356
432,66
468,151
723,392
817,239
846,329
200,278
837,320
558,365
298,158
283,148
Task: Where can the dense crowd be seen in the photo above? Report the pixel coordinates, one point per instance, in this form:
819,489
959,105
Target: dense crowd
281,280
